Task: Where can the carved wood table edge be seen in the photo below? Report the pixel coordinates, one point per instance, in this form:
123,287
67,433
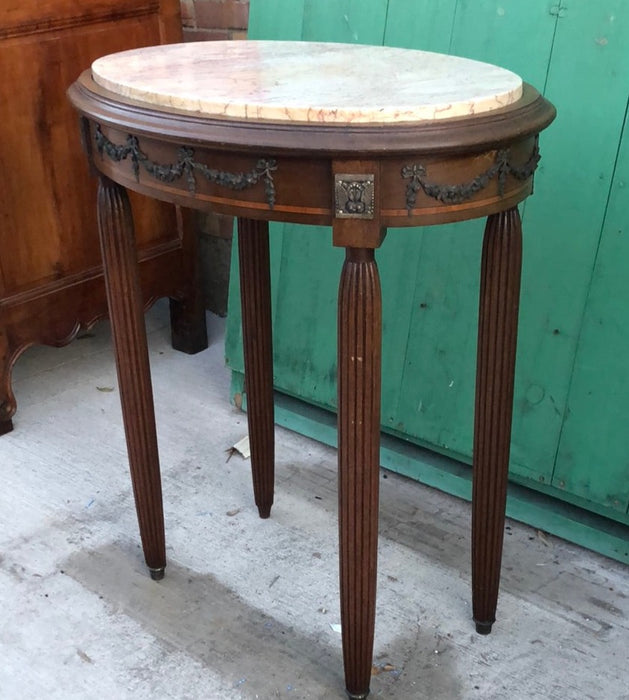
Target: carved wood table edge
359,177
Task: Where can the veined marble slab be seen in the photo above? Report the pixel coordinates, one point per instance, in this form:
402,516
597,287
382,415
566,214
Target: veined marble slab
307,82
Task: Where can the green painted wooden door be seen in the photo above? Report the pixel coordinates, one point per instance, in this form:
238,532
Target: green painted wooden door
569,435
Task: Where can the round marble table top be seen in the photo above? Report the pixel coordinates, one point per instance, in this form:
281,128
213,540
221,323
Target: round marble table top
307,82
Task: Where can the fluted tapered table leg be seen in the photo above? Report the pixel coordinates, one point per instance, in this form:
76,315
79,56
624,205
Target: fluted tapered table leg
187,314
7,399
359,358
255,291
115,225
497,336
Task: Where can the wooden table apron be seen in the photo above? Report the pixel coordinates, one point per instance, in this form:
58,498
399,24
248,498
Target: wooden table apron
359,180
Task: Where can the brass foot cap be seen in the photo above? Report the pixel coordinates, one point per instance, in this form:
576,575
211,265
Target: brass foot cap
157,574
483,627
264,512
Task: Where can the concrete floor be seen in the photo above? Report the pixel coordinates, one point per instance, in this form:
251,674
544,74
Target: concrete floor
248,608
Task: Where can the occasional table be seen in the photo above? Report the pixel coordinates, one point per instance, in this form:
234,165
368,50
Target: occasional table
355,137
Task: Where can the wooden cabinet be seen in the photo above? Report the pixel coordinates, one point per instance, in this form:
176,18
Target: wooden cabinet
51,280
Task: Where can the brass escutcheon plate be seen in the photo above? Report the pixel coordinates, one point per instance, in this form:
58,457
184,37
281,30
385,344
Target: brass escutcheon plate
354,196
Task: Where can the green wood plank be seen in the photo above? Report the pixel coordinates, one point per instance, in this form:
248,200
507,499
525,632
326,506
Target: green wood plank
420,24
305,322
398,260
349,21
593,458
437,388
545,356
276,19
417,24
510,33
305,326
513,34
563,220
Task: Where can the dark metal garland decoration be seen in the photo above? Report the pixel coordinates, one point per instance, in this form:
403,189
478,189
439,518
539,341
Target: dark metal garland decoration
187,167
457,194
